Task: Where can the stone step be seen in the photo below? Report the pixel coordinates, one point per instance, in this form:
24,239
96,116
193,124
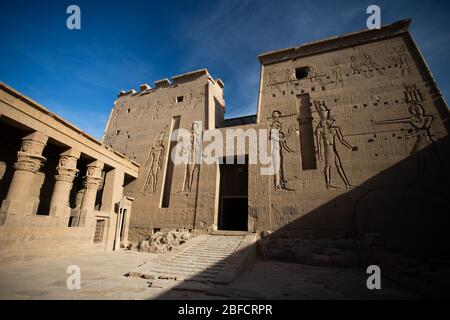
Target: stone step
203,264
211,259
203,255
199,256
229,233
172,273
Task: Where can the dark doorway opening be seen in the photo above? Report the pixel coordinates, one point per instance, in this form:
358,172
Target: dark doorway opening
233,205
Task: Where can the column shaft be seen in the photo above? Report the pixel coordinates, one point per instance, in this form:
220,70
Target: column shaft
29,161
67,170
92,181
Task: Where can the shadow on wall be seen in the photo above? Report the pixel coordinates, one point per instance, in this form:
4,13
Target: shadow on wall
408,204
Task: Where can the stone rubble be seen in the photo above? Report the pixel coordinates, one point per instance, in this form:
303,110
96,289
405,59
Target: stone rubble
161,241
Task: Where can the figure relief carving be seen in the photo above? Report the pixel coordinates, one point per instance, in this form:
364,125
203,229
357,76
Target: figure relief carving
315,77
337,72
365,66
289,76
272,82
400,60
327,134
154,163
419,132
193,154
279,138
193,100
156,110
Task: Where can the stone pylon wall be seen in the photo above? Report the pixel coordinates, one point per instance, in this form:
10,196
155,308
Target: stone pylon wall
140,126
370,148
364,144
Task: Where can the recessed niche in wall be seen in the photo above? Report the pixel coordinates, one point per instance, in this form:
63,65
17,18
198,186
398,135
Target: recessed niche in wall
301,73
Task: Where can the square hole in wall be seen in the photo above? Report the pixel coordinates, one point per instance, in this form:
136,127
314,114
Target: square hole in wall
180,99
301,72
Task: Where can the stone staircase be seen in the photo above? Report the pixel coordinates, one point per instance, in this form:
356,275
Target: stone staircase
201,262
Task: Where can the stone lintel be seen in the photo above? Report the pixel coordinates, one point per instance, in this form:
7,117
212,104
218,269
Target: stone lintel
73,153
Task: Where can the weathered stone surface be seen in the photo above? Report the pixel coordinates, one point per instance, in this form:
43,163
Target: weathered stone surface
319,252
358,114
161,242
50,174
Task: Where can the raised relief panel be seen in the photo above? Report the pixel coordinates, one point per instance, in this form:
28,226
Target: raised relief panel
327,135
365,65
192,153
417,134
337,72
401,61
154,164
279,138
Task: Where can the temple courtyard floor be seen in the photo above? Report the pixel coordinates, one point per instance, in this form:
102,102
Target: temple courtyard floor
105,276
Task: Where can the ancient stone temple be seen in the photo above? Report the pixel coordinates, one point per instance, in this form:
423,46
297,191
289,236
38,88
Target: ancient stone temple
363,136
363,153
61,191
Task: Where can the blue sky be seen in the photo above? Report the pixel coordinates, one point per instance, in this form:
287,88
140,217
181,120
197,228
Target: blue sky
122,44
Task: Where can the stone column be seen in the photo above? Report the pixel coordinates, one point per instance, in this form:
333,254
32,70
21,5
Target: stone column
29,161
112,195
91,183
67,170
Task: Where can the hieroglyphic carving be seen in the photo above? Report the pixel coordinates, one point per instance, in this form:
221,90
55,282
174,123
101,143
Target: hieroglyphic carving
156,109
192,152
412,94
194,100
315,77
400,60
326,134
281,140
366,67
272,82
154,163
289,76
337,72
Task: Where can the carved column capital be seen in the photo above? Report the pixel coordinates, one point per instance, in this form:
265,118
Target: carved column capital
67,168
93,176
30,158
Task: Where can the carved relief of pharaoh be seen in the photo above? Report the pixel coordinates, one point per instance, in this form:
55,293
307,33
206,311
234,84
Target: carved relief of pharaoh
154,163
326,135
192,153
279,145
420,135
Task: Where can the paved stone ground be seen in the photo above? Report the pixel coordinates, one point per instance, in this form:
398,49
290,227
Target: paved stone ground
103,278
203,259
